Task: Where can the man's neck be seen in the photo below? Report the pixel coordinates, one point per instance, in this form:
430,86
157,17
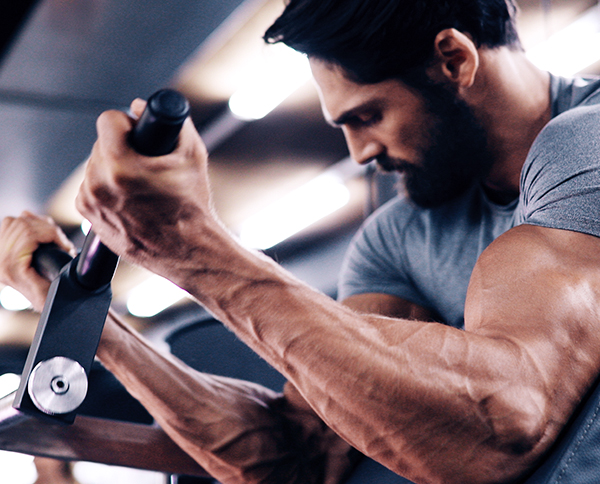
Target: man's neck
511,98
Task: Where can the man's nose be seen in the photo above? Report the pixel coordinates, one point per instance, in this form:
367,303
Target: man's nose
363,151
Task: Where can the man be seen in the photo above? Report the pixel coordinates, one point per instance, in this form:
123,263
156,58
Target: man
423,87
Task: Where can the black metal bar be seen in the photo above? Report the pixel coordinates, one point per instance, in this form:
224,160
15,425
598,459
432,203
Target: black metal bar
70,327
96,264
157,130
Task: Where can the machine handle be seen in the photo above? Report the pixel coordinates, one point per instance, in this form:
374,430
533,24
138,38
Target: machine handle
157,131
49,259
155,134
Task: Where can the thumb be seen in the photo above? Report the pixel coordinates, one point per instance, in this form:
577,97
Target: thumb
137,107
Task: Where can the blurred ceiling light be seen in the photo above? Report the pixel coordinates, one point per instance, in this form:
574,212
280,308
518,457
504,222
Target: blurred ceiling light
571,50
13,300
153,296
297,210
275,76
9,382
93,473
17,468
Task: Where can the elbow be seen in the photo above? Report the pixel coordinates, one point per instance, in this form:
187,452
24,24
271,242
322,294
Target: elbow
518,426
518,420
511,436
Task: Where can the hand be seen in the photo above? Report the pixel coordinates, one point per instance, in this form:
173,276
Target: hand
145,208
19,238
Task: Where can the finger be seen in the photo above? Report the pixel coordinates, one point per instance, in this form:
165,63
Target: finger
28,214
19,237
113,128
64,243
137,107
191,142
34,229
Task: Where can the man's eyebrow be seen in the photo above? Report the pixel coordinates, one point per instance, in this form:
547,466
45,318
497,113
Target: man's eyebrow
353,112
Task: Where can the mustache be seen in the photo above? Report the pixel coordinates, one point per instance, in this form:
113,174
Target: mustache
389,165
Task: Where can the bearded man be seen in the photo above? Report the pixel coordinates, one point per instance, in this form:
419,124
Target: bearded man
469,325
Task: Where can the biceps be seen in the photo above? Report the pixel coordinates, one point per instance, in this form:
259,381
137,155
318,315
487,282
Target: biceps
546,278
539,288
387,305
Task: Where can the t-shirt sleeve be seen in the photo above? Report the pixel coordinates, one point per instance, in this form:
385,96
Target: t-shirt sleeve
560,182
376,260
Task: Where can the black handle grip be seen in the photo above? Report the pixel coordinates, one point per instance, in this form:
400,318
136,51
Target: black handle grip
157,130
155,134
49,259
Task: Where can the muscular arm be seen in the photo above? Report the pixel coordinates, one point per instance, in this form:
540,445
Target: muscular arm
431,402
238,431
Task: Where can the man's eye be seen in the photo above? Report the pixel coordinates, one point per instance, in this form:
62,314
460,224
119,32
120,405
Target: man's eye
364,120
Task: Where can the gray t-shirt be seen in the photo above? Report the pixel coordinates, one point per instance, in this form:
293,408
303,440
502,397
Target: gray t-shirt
427,255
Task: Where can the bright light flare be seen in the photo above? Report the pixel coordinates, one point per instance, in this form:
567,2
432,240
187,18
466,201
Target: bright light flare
86,226
299,209
13,300
16,468
572,49
278,74
9,382
152,296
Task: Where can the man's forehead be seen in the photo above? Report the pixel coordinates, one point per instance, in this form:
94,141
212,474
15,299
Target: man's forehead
331,85
341,96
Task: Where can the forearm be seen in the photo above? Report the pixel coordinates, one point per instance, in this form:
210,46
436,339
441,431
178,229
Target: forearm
239,432
429,401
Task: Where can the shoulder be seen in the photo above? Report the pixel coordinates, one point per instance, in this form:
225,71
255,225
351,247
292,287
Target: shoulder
571,138
569,141
576,120
561,176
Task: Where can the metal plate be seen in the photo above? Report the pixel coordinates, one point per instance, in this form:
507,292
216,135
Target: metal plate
57,385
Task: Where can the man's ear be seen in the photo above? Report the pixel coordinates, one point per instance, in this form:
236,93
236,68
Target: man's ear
455,59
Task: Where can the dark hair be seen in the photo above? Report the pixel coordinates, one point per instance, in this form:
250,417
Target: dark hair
375,40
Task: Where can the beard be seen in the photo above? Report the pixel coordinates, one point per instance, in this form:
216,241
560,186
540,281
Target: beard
457,156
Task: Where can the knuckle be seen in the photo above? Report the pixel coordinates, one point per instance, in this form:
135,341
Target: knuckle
80,203
6,222
84,205
105,118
